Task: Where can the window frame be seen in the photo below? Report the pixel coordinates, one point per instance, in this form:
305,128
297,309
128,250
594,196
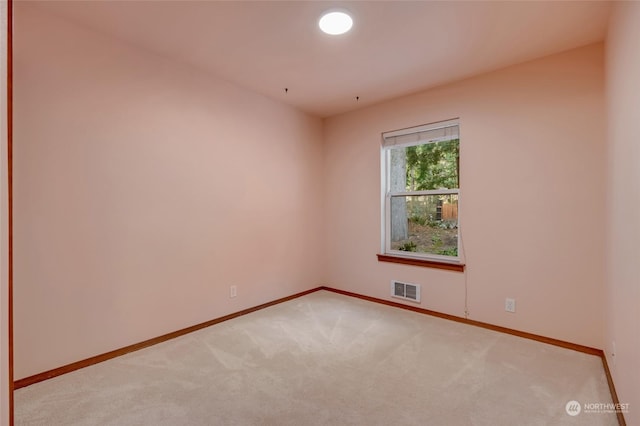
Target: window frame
414,258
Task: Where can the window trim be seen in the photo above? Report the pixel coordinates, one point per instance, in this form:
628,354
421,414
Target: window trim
413,258
420,261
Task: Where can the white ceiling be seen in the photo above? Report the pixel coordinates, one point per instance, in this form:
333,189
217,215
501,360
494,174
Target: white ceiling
395,48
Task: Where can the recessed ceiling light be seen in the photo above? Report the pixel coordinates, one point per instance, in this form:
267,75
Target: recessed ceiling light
335,23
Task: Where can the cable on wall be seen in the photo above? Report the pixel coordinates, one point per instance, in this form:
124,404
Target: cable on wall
465,272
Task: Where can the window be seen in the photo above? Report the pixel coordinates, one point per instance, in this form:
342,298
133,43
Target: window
421,184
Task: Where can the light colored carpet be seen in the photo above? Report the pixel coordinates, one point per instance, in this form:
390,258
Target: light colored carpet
328,359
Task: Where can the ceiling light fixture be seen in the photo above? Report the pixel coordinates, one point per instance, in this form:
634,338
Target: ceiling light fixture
335,23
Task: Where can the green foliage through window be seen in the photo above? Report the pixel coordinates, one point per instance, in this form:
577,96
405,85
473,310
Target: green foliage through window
433,166
422,187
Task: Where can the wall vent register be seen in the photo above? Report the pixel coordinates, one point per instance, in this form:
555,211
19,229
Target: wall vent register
405,291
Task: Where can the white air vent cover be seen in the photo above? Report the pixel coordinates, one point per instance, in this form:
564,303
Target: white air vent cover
405,291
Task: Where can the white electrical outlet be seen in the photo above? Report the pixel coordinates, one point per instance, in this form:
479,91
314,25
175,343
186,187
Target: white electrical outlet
510,305
233,291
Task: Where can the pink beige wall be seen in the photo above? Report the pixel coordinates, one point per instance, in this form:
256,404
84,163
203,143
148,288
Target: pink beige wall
532,204
144,189
623,199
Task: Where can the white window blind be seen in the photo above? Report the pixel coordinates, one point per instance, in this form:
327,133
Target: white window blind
428,133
